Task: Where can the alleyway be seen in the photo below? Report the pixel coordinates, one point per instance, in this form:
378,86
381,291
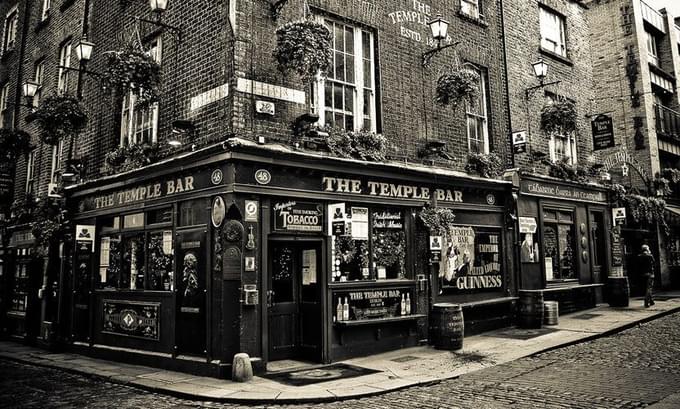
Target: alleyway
635,368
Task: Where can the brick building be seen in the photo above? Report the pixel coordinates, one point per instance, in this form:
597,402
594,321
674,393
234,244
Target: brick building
635,60
246,234
563,216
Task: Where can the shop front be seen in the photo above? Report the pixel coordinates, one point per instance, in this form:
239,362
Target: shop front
565,241
21,283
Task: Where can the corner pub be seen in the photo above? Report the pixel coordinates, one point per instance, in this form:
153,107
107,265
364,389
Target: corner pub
240,247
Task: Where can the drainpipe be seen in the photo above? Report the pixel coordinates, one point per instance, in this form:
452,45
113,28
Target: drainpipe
507,81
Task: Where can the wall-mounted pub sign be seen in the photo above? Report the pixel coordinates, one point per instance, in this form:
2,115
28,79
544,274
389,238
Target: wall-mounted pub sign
603,132
294,216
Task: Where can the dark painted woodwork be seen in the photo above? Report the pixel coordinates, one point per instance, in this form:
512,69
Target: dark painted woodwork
191,252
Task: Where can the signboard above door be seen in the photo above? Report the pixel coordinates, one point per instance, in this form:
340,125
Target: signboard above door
294,216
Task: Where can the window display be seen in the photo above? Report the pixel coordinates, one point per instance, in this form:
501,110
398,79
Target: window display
558,246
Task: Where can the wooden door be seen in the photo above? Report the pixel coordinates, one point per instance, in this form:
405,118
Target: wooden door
190,281
282,301
310,318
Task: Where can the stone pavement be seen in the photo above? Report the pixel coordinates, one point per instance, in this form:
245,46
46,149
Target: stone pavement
398,369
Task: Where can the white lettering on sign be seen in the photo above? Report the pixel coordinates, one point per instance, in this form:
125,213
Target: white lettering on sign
208,97
270,91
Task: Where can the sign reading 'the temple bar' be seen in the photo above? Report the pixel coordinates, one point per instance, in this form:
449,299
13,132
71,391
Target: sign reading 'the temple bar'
298,216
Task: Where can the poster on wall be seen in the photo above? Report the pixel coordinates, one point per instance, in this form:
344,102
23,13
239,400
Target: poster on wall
360,223
471,260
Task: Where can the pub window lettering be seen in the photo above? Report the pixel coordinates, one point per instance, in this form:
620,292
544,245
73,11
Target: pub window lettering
346,98
10,29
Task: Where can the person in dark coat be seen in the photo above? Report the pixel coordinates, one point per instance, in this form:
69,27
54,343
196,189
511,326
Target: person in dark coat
647,269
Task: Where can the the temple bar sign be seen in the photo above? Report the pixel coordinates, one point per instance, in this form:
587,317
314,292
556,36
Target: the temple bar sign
603,132
383,189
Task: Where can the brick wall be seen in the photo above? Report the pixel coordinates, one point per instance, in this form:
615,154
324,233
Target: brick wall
523,38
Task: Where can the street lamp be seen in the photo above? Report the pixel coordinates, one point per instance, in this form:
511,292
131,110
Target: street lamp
540,69
439,29
158,6
84,49
30,88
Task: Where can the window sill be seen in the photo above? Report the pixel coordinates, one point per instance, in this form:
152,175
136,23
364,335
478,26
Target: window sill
555,56
42,24
480,21
66,4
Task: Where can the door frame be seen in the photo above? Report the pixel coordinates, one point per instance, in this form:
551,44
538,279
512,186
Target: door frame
323,283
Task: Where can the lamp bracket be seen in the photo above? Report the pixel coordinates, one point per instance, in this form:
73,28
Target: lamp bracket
174,30
428,55
529,91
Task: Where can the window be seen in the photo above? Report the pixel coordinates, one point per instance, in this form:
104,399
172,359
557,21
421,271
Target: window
136,258
64,64
139,124
10,29
472,8
346,98
652,51
38,78
561,147
57,152
45,9
476,114
5,120
553,38
30,172
558,245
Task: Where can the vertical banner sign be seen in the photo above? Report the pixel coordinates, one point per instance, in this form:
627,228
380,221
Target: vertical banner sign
519,141
603,132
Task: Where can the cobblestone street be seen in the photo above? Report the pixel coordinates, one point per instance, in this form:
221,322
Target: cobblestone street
635,368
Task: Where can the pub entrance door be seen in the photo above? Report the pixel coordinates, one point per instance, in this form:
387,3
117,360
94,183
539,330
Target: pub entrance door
294,300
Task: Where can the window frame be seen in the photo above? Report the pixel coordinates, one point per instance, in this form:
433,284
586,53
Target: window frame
556,222
57,155
9,32
359,86
45,13
39,78
4,104
559,46
65,51
483,104
652,48
30,172
475,8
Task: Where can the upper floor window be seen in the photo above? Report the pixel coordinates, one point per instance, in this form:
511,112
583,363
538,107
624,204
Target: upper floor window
553,36
476,116
57,152
5,120
139,124
472,8
30,171
10,29
652,51
562,147
39,72
346,98
45,9
64,64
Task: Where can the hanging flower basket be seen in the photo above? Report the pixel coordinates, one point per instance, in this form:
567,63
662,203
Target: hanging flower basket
49,223
457,86
14,142
130,157
304,47
362,144
437,220
135,70
565,171
485,165
59,116
559,117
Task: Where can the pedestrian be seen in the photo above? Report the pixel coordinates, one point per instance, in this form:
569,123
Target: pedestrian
647,269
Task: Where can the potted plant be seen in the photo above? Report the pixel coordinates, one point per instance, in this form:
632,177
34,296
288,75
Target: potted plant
457,86
130,157
369,145
304,47
133,69
487,165
59,116
14,142
559,117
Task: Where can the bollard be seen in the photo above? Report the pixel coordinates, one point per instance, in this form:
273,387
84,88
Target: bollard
241,369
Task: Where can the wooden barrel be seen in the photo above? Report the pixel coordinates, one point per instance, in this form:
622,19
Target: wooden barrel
446,326
530,309
618,291
550,312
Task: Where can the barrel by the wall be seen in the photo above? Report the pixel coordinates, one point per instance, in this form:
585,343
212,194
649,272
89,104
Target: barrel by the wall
550,312
446,326
618,291
530,309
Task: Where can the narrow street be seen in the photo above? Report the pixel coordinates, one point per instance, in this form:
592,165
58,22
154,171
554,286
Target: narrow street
635,368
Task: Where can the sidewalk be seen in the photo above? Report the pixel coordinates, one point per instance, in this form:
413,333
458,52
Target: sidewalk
396,369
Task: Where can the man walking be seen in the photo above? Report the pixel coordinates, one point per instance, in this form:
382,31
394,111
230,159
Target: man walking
647,268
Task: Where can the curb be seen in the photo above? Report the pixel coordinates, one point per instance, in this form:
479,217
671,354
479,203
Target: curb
329,399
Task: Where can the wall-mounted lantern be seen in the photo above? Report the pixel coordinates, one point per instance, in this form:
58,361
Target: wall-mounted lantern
439,29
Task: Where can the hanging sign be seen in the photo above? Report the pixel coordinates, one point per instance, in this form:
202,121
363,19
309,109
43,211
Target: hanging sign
85,235
298,216
527,225
603,132
519,141
619,215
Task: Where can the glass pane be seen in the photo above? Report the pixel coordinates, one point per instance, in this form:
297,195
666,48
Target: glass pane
337,96
330,119
133,220
349,99
111,271
328,94
339,38
132,274
367,74
339,120
566,247
550,251
389,244
349,66
339,66
282,274
349,40
366,44
549,214
349,122
350,258
193,212
159,216
160,261
565,217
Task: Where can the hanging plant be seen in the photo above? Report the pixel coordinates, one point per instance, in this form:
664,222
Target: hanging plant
437,220
562,169
487,165
646,210
457,86
618,192
662,186
362,144
304,47
14,142
671,174
133,69
49,223
130,157
59,116
559,117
